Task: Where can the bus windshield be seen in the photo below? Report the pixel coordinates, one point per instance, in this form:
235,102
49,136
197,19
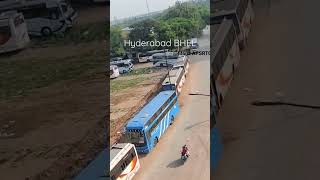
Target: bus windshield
136,138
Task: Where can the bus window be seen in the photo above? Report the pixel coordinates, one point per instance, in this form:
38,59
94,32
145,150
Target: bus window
5,34
35,13
137,138
54,13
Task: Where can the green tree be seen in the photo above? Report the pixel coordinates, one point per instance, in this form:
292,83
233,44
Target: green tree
144,31
116,41
164,32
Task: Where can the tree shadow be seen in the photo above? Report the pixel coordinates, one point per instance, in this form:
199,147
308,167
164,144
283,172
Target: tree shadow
176,163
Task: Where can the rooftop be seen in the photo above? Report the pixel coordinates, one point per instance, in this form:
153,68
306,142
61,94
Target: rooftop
143,116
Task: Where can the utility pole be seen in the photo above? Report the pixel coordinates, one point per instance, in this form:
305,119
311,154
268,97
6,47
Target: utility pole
166,55
147,7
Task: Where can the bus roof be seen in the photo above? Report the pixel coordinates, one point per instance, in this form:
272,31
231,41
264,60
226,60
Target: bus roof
115,149
9,14
143,116
220,35
175,72
117,152
224,5
156,51
172,80
180,64
213,29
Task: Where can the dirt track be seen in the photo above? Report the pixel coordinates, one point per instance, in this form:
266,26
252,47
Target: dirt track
281,63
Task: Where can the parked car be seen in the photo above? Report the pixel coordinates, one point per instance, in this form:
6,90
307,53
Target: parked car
114,71
124,66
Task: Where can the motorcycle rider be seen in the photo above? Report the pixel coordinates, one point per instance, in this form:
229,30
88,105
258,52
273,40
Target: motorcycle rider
185,151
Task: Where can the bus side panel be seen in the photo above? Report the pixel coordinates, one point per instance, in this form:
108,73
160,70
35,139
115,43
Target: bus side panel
247,20
163,125
216,149
227,72
175,110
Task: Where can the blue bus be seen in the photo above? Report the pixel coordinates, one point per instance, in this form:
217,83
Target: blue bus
147,126
215,139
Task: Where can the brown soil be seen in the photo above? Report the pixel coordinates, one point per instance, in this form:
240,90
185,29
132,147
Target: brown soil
55,130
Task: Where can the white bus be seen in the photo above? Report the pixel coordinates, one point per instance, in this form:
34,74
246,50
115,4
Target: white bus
13,32
174,80
43,17
239,11
124,162
224,60
170,61
184,64
163,56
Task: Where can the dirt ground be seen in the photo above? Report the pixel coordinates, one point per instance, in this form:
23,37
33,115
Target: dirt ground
126,102
54,131
281,63
96,13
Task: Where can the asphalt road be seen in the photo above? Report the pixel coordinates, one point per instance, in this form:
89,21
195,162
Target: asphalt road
191,127
281,63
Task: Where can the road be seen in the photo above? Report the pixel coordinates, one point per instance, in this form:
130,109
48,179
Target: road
281,63
191,127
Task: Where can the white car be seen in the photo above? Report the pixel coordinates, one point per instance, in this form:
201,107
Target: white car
114,71
123,66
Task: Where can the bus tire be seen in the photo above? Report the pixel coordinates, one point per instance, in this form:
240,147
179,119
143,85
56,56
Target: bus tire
46,31
220,101
155,142
233,71
171,120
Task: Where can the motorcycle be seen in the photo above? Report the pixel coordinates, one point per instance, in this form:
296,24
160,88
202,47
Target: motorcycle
185,156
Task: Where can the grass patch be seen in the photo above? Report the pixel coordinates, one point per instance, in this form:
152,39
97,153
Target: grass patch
19,77
118,85
147,70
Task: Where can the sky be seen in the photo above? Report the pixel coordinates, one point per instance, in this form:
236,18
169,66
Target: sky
126,8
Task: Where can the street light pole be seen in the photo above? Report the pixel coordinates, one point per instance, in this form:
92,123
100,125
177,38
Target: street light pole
168,69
